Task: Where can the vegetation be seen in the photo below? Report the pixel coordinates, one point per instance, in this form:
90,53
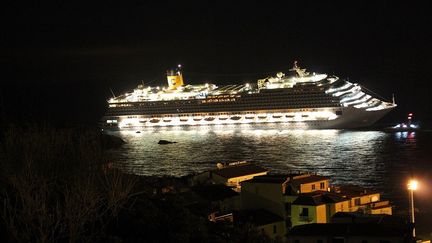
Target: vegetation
57,185
54,188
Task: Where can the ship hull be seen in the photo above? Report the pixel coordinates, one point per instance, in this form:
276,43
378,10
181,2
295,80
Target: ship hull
337,118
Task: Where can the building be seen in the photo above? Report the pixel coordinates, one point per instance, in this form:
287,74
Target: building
215,202
233,174
348,233
305,198
275,193
266,223
364,200
317,207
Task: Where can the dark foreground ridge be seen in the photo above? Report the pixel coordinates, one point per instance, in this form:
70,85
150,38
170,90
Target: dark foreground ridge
58,185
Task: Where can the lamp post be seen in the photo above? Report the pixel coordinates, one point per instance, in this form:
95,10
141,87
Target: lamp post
412,186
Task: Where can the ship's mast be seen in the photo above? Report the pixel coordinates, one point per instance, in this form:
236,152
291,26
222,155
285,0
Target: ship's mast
300,72
112,92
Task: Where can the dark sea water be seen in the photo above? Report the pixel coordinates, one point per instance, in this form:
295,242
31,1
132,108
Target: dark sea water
375,159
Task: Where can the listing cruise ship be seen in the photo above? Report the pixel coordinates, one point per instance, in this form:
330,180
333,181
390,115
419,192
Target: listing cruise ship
301,100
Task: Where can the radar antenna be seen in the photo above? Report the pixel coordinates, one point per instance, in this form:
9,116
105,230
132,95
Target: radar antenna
300,72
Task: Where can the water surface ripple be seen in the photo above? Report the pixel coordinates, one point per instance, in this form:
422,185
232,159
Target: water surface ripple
374,159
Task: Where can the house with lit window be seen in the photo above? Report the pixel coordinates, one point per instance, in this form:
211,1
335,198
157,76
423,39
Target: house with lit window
317,207
320,206
363,200
275,193
305,198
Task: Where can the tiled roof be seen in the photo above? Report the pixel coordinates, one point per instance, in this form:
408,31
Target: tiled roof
318,198
239,170
258,217
353,190
331,229
308,179
296,179
214,192
278,179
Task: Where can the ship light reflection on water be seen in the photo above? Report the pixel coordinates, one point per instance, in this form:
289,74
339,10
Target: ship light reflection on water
405,135
276,147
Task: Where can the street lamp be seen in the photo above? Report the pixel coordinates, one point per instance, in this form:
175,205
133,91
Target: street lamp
412,186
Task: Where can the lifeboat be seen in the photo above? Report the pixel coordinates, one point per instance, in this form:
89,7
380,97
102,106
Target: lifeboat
209,118
235,118
154,120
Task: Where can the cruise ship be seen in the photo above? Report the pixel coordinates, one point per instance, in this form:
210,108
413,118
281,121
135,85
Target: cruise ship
298,100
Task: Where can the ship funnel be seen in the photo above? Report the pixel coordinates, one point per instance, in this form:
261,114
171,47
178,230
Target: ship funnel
175,78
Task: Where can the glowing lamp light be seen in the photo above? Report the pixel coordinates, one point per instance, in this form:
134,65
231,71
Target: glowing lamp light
412,185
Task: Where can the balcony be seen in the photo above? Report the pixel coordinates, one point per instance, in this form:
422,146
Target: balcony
305,218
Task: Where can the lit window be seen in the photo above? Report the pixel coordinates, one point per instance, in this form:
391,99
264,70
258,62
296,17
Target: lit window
357,201
322,185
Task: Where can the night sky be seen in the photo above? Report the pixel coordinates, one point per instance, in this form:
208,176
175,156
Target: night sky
59,60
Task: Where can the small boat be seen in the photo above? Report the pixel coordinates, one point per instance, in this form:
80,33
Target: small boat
167,120
154,120
289,116
223,118
197,118
184,119
262,116
277,116
209,118
407,126
235,118
402,127
249,117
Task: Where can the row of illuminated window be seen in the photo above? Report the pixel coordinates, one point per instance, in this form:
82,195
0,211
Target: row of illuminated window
242,103
231,106
217,100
